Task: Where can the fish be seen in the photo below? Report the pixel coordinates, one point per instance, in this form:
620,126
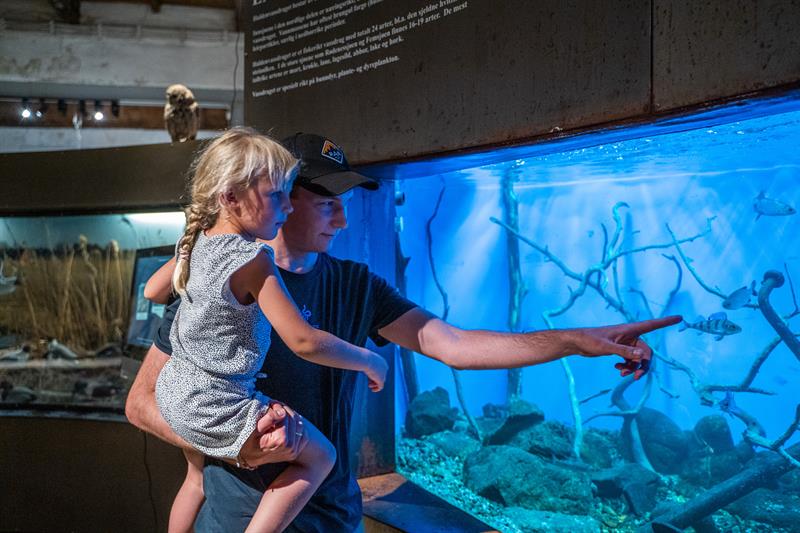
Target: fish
771,208
716,324
18,355
56,350
740,297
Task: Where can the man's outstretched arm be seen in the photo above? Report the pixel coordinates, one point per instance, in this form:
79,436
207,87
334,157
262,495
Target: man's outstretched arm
423,332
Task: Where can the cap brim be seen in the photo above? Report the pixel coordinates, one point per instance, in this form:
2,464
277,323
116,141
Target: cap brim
337,183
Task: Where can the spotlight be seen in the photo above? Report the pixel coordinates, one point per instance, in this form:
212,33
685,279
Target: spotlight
42,108
26,110
98,110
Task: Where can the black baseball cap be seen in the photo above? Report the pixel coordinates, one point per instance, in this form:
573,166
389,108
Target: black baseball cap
323,166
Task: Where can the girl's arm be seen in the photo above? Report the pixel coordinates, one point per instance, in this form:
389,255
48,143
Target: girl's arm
159,286
260,279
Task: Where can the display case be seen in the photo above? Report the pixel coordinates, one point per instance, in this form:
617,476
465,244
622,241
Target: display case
75,228
71,308
693,215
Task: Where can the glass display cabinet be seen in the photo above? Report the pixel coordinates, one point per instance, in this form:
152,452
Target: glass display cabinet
693,215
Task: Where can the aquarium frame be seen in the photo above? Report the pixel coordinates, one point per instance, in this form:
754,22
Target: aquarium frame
710,113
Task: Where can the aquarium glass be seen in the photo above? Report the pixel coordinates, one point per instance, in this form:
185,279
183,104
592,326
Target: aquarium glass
71,317
692,215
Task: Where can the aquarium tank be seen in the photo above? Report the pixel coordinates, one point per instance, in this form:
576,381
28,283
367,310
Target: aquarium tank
72,312
693,215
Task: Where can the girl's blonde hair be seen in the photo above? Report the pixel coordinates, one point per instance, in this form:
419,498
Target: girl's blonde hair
232,162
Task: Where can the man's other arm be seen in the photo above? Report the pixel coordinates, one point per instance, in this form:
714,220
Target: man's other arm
278,442
141,408
424,333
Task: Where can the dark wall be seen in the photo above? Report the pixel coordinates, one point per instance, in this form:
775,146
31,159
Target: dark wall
709,50
96,180
495,72
84,475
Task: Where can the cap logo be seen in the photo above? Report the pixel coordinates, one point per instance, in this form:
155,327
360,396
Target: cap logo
332,152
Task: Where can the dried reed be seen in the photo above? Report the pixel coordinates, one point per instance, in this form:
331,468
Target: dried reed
84,304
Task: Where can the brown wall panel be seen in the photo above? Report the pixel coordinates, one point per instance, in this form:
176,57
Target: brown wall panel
706,51
97,180
487,73
84,475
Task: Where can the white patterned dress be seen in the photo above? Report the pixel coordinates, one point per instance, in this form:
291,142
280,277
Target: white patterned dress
206,391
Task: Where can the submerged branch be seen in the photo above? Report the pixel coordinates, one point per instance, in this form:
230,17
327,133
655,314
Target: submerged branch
517,288
688,262
794,296
544,251
577,442
762,357
446,312
595,395
780,441
761,471
429,237
630,428
617,228
737,388
678,282
772,280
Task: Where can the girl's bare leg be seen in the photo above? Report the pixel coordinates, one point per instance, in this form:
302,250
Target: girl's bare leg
291,490
190,496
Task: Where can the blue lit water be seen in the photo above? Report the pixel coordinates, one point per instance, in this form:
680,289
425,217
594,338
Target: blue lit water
697,175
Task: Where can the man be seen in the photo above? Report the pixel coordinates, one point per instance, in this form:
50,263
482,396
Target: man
344,298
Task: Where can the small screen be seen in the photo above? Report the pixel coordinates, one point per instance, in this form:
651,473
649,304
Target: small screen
146,315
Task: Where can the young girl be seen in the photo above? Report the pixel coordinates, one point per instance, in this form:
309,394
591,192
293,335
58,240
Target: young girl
231,294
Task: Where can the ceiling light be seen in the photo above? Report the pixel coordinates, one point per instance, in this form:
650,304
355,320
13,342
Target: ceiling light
98,110
26,110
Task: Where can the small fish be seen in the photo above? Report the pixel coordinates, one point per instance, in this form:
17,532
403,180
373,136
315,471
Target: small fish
771,208
740,297
780,380
717,325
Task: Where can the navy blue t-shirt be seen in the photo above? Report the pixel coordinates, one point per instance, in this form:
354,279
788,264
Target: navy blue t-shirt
347,300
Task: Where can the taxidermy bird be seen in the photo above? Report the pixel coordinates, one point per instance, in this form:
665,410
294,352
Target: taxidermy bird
181,113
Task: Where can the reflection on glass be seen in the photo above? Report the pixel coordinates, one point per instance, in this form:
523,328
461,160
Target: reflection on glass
696,216
65,304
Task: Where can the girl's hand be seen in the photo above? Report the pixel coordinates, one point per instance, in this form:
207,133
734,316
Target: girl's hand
376,373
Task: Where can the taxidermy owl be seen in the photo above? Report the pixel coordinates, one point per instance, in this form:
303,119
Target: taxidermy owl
181,113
